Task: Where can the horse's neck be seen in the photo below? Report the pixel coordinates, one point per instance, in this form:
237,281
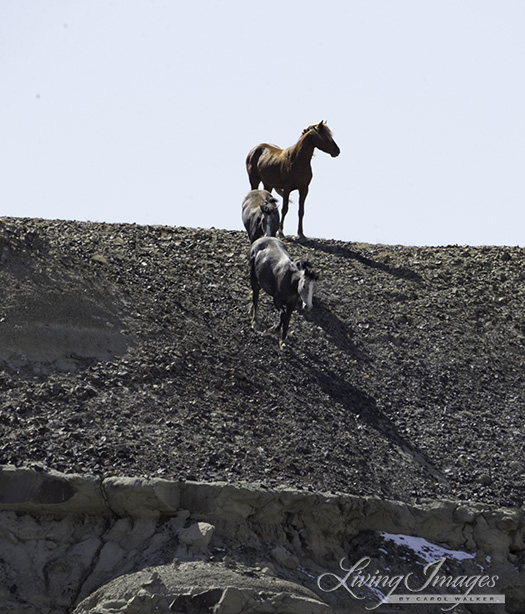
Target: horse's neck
302,151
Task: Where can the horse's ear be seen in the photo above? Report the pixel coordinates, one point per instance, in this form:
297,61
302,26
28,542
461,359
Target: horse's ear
309,271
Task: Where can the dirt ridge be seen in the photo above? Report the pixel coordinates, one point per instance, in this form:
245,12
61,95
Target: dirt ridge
127,350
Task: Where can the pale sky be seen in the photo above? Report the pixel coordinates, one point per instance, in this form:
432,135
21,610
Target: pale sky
143,111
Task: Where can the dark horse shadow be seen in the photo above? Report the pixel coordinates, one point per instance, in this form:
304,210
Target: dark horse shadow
364,407
343,251
338,333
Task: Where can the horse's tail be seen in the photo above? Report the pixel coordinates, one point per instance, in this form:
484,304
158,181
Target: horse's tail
252,160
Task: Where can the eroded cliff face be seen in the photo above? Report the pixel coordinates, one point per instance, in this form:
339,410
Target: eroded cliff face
74,543
126,353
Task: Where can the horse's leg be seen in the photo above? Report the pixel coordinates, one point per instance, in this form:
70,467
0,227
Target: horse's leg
303,193
255,295
286,197
255,302
274,330
285,321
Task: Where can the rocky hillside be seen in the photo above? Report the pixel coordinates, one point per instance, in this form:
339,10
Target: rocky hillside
127,350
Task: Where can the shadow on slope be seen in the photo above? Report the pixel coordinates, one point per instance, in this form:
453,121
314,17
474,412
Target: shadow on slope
344,251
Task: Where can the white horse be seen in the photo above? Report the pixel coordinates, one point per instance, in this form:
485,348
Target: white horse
272,269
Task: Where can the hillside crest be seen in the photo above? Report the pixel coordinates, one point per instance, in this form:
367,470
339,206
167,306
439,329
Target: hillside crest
127,350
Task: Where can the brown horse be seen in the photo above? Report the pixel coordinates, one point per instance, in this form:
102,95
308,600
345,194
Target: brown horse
290,169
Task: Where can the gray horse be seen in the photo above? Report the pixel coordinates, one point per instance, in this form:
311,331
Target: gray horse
260,215
272,269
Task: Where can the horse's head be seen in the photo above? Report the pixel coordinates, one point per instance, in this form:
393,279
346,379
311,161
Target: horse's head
307,283
269,217
321,136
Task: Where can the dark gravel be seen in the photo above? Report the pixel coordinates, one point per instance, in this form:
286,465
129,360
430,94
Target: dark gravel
127,350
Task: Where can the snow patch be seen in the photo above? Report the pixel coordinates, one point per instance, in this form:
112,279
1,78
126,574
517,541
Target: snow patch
428,551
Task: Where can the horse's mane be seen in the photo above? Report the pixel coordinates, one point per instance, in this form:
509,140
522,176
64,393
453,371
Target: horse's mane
269,206
309,271
313,126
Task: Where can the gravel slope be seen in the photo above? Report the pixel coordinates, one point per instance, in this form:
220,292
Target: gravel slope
127,350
